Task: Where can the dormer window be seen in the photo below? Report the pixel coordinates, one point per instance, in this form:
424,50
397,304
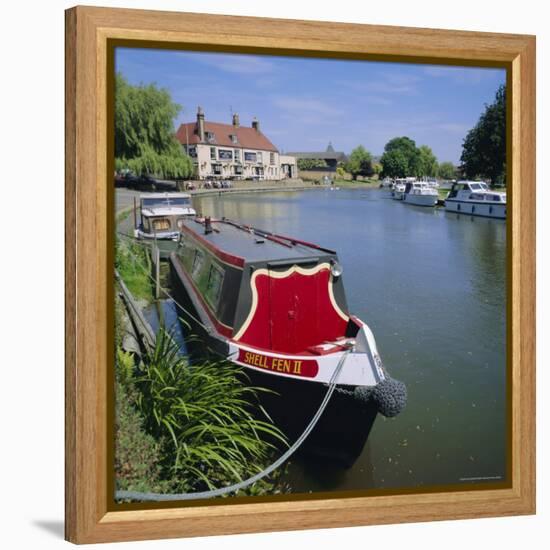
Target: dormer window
234,138
210,137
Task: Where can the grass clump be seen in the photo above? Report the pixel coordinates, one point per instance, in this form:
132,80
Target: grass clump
133,264
204,426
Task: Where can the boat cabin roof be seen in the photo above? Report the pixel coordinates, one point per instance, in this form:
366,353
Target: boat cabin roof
252,244
165,196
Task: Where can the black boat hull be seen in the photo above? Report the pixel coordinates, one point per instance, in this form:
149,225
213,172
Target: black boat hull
343,428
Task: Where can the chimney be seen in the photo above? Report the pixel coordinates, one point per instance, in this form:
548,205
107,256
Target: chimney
207,225
256,124
236,120
200,123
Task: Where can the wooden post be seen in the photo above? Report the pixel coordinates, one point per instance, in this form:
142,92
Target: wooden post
156,253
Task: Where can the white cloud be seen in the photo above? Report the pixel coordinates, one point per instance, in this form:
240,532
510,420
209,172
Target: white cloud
232,63
306,107
462,75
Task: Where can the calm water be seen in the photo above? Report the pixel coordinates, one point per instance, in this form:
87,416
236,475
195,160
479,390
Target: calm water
432,287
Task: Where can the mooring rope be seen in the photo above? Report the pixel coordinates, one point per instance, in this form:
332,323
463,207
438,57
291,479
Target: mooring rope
134,495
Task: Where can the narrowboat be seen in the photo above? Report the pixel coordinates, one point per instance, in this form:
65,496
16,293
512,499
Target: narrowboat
276,306
475,199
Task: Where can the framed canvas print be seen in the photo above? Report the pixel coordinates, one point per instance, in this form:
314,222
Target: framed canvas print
300,274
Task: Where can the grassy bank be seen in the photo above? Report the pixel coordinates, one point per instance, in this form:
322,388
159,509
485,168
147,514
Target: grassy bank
133,264
181,427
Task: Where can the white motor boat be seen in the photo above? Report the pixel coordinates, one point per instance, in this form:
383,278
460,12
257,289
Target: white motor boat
399,186
420,193
475,199
161,215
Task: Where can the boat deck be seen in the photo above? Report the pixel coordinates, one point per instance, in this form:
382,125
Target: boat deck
254,244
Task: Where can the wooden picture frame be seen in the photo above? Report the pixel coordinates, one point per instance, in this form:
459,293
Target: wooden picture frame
90,33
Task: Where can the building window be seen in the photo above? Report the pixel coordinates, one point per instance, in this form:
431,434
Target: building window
210,136
192,151
259,157
271,158
212,153
237,154
217,169
234,138
249,157
225,154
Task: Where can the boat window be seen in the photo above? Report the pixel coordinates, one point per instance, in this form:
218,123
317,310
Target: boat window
214,285
198,262
166,201
495,198
475,186
161,224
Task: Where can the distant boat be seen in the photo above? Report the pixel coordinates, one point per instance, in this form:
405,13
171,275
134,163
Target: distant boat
475,199
161,215
276,306
420,193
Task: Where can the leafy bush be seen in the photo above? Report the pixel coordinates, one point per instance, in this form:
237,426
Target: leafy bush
133,265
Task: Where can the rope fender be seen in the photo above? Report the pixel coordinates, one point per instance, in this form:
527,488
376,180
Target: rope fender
389,396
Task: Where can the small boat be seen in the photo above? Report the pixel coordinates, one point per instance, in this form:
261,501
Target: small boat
398,191
276,306
475,199
420,193
161,215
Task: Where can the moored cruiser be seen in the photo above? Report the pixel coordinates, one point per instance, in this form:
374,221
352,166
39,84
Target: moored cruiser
420,193
276,306
161,215
475,199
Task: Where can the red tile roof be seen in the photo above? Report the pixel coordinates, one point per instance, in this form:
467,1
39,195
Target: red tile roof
248,138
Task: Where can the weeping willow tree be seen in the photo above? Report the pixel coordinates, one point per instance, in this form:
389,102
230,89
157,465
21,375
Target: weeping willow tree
145,142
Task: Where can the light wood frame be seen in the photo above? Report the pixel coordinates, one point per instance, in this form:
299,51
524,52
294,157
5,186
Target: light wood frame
89,277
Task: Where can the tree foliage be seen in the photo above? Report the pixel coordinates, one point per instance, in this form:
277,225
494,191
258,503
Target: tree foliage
401,158
427,162
484,148
446,171
311,164
360,163
144,133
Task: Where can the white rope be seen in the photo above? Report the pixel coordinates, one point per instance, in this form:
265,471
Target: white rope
133,495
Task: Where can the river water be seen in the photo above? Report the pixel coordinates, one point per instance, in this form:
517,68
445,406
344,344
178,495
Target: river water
432,287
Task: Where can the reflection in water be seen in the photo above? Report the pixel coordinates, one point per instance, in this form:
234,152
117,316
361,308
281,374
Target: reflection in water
432,286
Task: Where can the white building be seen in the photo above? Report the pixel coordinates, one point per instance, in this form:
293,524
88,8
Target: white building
233,151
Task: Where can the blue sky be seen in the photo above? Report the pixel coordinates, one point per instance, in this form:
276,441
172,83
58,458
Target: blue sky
302,104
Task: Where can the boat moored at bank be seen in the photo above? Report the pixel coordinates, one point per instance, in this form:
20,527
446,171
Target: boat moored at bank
161,214
276,306
420,193
474,198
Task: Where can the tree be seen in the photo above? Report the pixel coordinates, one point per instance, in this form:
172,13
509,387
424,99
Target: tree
446,171
401,158
427,161
360,163
311,164
145,141
394,164
484,148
